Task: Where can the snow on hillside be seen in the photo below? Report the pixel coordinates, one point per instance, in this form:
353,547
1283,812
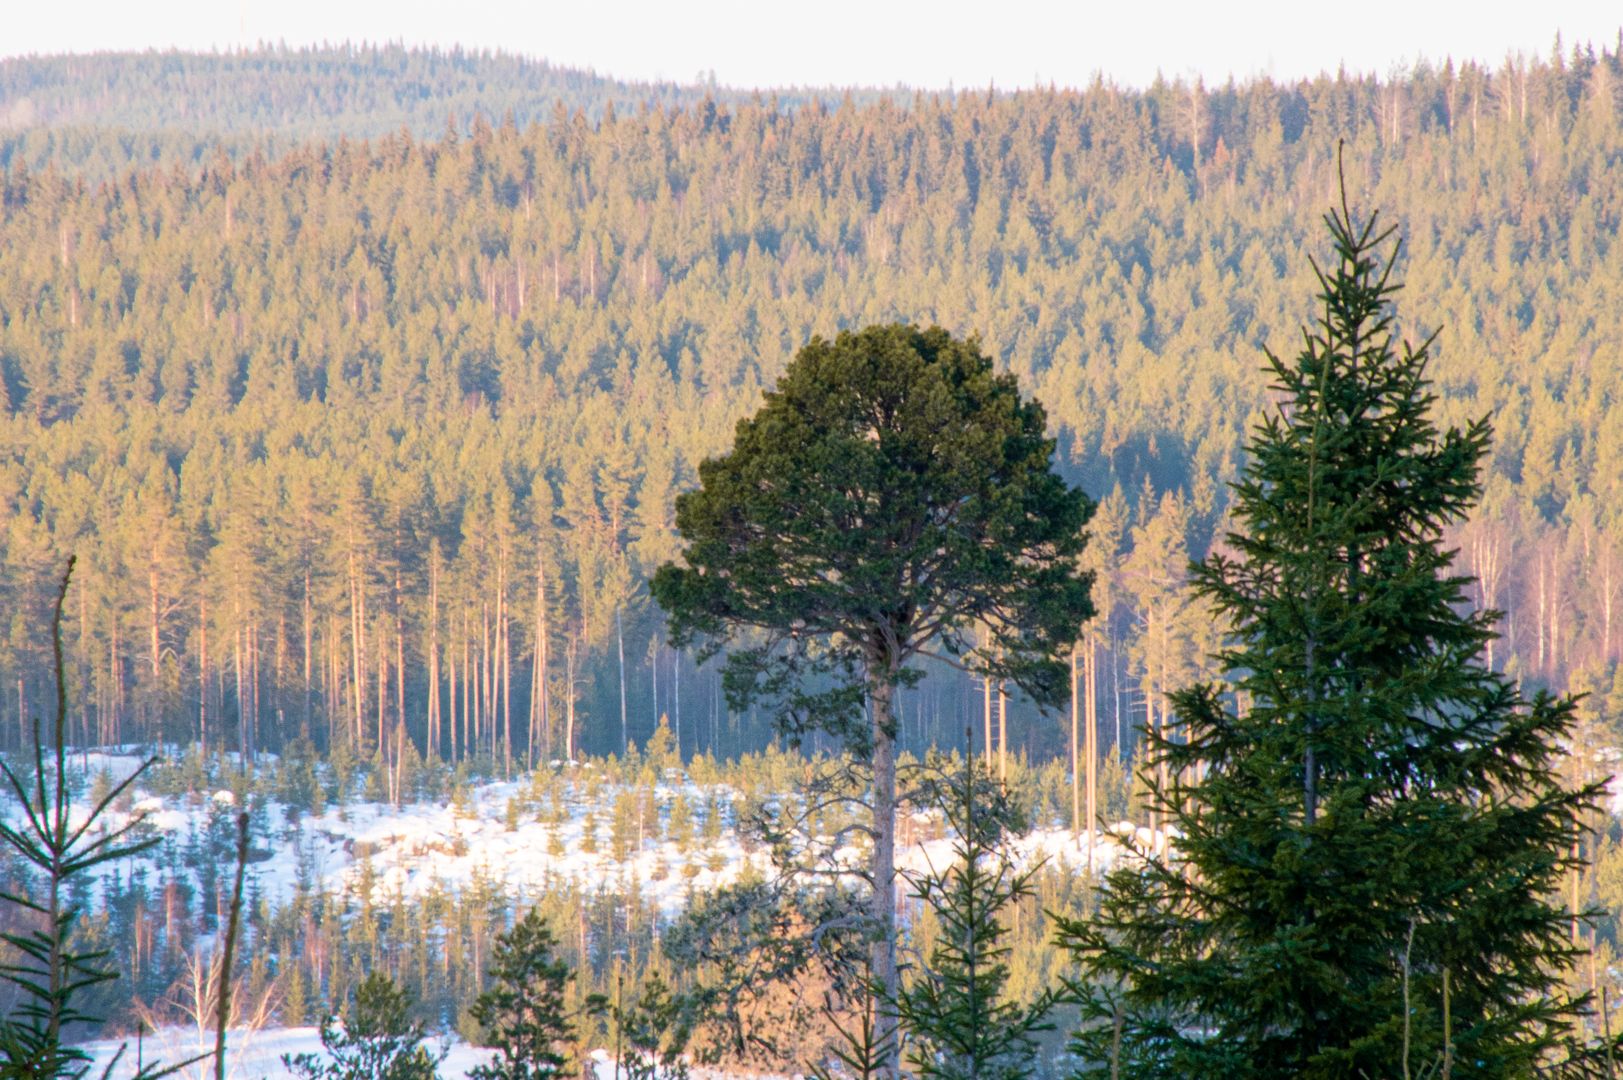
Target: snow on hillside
526,837
258,1055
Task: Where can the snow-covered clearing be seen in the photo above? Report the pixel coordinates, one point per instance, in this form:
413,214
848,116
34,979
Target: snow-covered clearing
258,1055
522,836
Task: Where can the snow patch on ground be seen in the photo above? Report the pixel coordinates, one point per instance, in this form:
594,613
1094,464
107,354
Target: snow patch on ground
422,847
257,1055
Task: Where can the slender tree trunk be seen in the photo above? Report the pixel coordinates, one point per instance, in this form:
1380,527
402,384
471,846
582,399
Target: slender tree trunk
1002,736
470,718
253,692
383,699
153,645
1091,743
507,697
305,615
242,719
484,697
620,642
986,719
434,717
571,652
357,640
400,672
1150,729
883,902
544,644
203,676
1076,759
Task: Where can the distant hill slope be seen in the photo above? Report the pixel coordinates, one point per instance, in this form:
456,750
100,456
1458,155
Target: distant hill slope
99,114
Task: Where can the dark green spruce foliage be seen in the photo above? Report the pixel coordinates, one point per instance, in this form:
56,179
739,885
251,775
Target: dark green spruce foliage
959,1023
1385,803
377,1040
524,1014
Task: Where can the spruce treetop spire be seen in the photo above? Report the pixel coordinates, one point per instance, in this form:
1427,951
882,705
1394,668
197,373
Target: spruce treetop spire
1387,815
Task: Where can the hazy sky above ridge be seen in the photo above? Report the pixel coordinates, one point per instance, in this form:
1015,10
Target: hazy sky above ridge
757,43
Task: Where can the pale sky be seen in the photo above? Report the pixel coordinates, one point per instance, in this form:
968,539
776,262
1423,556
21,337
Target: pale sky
758,43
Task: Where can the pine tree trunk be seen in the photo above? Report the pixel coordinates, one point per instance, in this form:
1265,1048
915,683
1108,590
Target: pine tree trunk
434,717
507,697
1091,743
203,676
620,642
305,615
570,653
242,719
400,672
153,645
883,902
1002,736
986,720
484,697
357,641
383,699
253,692
1076,758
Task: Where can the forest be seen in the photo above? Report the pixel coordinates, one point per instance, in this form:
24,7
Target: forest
336,431
364,395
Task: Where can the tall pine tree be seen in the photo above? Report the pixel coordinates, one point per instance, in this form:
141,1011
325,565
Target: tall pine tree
1377,837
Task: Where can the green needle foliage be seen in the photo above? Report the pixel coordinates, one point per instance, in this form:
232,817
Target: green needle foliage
1387,813
377,1040
651,1034
51,972
524,1014
893,497
960,1025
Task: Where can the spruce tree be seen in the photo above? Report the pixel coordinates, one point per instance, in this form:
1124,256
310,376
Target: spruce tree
1376,838
378,1039
524,1013
961,1024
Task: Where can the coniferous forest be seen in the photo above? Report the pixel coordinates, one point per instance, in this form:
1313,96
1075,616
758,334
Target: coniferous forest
365,384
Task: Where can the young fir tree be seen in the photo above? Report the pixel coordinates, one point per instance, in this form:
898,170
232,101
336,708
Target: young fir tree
53,964
524,1014
959,1023
378,1039
651,1034
1381,834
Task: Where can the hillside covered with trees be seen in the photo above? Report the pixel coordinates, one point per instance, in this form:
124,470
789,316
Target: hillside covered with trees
367,427
98,115
387,432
